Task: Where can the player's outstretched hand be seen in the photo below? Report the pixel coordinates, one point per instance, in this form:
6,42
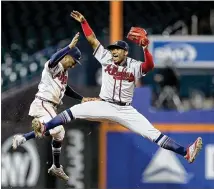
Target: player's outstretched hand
77,16
74,41
87,99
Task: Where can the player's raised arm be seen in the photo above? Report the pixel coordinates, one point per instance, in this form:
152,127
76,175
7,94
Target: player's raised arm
59,55
139,36
86,29
148,65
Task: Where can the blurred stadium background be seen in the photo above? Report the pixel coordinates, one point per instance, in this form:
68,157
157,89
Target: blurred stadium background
179,93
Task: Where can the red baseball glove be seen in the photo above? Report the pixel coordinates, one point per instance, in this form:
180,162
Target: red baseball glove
139,36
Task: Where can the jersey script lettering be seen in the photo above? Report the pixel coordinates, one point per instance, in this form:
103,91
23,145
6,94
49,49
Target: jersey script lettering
123,75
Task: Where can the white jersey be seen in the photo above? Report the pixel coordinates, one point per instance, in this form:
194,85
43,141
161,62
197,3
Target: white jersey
118,82
53,83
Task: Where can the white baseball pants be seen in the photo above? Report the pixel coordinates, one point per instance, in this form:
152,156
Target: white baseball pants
45,111
127,116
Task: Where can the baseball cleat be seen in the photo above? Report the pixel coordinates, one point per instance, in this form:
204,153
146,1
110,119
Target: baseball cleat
17,141
193,150
58,172
38,128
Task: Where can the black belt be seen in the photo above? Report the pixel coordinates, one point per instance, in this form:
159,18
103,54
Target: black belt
45,100
118,103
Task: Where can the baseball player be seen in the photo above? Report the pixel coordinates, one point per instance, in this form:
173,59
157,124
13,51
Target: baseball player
119,73
52,88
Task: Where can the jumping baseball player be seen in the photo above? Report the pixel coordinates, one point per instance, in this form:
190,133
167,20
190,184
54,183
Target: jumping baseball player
119,73
52,88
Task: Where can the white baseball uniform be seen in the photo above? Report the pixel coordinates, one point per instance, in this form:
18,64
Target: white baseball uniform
51,88
118,83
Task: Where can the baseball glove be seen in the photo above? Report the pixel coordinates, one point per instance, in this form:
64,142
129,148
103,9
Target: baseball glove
139,36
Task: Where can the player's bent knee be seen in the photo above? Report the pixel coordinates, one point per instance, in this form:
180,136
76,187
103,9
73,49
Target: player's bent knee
59,133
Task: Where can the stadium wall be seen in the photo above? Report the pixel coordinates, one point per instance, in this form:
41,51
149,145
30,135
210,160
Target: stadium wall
127,160
108,156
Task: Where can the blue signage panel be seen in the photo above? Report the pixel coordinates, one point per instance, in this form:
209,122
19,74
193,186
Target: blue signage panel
183,50
135,162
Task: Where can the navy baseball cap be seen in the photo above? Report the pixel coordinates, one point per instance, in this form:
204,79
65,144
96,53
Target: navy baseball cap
75,54
119,44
